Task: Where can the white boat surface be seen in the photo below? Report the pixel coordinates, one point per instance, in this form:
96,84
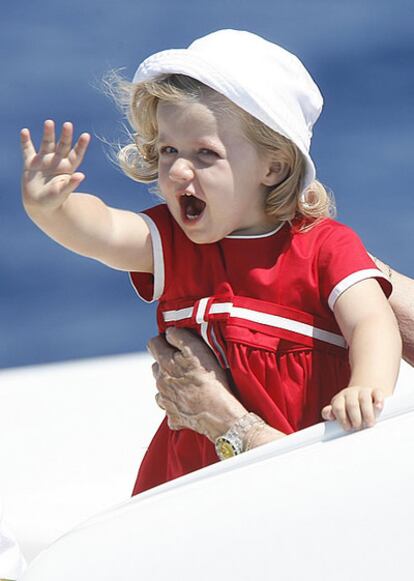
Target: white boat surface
316,505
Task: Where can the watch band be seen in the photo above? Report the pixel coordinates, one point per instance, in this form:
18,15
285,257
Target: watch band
232,442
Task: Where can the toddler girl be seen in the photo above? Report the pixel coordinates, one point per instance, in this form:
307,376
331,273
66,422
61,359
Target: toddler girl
243,250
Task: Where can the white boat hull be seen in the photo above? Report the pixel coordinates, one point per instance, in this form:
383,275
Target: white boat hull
317,505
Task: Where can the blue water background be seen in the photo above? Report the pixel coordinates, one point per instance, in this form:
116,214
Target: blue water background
56,305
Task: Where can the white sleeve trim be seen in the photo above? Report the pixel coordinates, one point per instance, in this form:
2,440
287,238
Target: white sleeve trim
158,260
350,280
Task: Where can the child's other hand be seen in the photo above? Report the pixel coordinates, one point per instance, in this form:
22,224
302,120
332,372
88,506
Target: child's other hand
49,175
355,407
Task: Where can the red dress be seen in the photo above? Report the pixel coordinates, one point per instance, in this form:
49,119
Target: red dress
264,306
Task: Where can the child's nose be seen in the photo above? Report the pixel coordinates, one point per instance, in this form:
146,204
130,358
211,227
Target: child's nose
181,170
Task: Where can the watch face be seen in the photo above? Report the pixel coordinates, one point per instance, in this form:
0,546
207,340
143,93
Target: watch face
225,449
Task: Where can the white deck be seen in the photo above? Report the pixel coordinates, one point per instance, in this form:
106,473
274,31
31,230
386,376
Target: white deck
73,437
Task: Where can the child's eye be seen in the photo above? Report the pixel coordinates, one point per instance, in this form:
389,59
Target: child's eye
208,152
167,149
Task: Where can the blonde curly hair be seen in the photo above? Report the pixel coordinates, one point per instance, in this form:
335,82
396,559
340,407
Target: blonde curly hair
139,158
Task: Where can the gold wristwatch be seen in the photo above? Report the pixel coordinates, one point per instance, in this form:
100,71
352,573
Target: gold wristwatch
232,442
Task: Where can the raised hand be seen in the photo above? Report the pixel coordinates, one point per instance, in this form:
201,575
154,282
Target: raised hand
49,175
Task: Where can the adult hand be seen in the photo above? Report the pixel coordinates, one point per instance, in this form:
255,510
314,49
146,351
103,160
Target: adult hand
402,303
192,387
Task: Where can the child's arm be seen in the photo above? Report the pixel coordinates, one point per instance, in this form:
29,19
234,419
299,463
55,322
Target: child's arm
80,222
370,328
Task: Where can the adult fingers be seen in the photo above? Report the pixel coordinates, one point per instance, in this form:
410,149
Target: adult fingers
48,144
163,382
173,422
185,341
182,339
158,400
195,353
185,360
159,348
167,404
164,355
155,370
163,397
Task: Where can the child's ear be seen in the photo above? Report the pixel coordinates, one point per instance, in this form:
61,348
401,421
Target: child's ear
277,171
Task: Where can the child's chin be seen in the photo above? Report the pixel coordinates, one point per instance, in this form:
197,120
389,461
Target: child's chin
201,237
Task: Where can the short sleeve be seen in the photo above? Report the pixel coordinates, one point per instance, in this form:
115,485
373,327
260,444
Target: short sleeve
343,261
150,287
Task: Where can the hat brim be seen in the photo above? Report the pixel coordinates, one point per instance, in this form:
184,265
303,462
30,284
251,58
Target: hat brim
192,64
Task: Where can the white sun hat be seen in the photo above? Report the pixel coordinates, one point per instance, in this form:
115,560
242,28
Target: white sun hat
259,76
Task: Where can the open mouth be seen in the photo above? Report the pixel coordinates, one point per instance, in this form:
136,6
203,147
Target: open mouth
191,207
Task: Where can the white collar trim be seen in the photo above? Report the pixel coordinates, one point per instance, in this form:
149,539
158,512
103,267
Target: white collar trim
246,236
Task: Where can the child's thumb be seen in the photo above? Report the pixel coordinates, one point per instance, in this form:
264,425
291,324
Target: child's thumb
327,413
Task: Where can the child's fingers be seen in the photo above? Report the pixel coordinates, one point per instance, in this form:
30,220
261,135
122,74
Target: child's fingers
353,409
71,184
28,150
340,411
80,148
65,142
378,399
327,413
48,140
367,408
